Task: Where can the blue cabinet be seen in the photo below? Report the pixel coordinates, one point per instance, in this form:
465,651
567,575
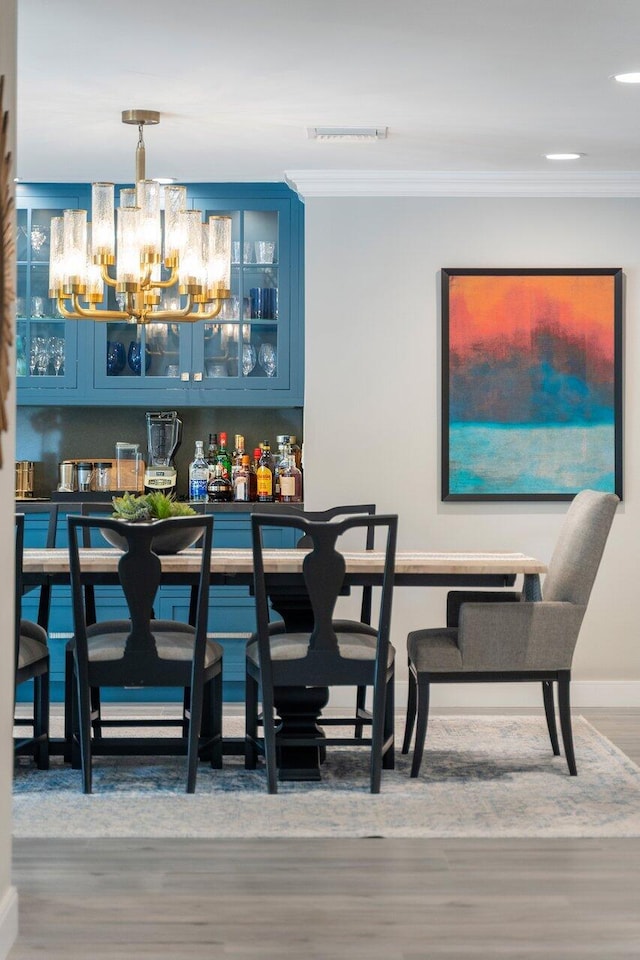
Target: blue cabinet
250,355
231,609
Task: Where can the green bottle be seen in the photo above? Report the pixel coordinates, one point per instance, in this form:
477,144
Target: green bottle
223,457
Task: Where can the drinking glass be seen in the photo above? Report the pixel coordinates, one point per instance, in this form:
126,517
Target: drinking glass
268,359
248,358
134,357
265,250
116,357
57,354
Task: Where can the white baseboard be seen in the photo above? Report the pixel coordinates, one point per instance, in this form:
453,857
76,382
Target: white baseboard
584,694
8,921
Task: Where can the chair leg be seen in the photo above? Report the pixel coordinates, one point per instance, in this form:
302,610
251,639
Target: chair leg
411,710
193,739
564,680
84,728
550,713
41,720
69,681
250,723
216,721
96,716
388,757
361,702
421,725
269,729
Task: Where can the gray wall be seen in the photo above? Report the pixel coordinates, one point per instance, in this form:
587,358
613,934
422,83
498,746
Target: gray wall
372,405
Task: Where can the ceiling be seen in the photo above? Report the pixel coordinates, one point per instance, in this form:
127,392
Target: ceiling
464,86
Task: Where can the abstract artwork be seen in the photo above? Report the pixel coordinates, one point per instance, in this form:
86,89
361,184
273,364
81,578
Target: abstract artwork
531,383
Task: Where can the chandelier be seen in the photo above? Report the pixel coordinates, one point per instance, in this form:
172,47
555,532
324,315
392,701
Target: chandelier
188,260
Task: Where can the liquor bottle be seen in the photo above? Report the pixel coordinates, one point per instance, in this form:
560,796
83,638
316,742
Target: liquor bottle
296,450
283,442
290,478
198,474
212,450
242,481
223,456
237,455
264,476
265,448
255,463
219,489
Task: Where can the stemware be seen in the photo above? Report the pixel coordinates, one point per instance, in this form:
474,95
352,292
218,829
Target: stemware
248,358
56,349
268,359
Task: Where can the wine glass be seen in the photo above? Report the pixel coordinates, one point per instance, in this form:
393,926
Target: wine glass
268,359
57,354
248,358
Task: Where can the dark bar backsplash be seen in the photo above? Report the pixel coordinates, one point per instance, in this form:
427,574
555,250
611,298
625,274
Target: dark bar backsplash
47,435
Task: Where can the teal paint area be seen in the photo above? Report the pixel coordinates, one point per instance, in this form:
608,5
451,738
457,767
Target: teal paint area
490,458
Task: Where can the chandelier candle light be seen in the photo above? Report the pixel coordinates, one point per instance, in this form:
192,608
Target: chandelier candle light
196,256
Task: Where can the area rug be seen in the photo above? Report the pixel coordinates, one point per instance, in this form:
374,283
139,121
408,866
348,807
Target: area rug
481,777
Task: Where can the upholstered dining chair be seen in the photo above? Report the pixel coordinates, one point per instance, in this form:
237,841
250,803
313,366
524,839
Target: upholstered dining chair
31,663
312,651
144,651
363,624
495,641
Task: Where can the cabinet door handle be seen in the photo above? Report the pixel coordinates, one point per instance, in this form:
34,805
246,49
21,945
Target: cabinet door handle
184,375
197,377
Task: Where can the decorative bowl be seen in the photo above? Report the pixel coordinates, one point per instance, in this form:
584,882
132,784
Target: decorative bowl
169,541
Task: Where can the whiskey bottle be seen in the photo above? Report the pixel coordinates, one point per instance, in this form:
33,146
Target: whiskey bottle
264,477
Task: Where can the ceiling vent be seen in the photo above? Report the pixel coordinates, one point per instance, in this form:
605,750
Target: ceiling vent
347,134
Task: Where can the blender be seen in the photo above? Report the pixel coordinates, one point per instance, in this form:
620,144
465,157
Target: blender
164,432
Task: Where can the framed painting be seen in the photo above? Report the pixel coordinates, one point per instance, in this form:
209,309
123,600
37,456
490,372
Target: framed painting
531,383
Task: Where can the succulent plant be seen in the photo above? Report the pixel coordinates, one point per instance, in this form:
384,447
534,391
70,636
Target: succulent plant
149,506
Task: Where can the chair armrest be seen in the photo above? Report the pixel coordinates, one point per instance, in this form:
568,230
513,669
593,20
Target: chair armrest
519,636
455,599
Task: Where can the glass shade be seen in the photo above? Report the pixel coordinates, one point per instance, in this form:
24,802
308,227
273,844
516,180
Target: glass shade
149,221
56,260
191,269
75,250
103,233
218,254
175,203
95,283
128,197
128,260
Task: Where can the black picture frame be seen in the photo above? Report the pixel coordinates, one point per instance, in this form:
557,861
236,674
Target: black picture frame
543,346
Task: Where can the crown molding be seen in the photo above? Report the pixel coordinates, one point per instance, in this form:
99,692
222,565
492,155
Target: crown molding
417,183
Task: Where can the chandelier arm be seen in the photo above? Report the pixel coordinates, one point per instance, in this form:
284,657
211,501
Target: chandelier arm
202,314
104,273
171,314
165,284
91,313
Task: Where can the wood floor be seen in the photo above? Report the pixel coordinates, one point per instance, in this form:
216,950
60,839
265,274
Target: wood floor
334,899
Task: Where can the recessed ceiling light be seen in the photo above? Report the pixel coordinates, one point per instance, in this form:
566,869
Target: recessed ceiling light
627,77
563,156
350,134
163,180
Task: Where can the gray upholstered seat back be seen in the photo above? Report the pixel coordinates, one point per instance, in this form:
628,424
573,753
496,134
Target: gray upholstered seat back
578,551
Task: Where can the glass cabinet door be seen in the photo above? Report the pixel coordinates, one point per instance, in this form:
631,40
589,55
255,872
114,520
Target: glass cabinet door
46,344
245,348
130,354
